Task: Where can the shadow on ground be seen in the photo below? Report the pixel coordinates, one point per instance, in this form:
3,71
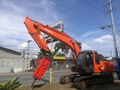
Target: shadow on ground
38,86
111,86
57,86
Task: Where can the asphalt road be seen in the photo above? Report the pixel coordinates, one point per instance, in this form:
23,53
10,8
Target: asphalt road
26,78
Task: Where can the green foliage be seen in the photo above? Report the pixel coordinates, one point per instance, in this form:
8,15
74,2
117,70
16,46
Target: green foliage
40,55
58,46
10,85
61,46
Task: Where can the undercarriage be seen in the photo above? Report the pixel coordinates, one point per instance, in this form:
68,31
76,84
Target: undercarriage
84,81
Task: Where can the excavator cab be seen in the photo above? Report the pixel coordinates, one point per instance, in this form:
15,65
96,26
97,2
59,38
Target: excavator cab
85,63
89,62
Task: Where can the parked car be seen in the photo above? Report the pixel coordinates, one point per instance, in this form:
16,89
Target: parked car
116,73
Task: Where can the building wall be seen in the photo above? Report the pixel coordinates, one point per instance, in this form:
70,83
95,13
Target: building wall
11,61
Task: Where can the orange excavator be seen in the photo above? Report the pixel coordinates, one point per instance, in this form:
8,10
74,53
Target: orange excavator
90,67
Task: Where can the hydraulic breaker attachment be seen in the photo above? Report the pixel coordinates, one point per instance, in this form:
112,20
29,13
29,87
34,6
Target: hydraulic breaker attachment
44,63
42,67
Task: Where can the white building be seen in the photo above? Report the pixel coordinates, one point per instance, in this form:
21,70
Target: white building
11,60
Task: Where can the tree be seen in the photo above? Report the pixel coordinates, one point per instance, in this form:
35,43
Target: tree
61,46
40,55
57,47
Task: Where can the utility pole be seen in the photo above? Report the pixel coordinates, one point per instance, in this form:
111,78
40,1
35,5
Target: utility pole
51,69
113,28
28,55
28,47
23,55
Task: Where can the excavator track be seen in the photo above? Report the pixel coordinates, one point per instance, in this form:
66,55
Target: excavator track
81,82
86,81
65,79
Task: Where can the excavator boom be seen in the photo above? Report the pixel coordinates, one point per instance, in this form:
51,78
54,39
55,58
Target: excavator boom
36,34
35,29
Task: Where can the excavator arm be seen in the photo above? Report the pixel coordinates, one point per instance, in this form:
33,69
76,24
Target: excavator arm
36,34
35,29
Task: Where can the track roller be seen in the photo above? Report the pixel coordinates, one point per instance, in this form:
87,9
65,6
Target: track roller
65,79
79,84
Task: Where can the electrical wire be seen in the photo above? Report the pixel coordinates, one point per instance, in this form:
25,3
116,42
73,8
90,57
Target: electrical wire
73,12
93,6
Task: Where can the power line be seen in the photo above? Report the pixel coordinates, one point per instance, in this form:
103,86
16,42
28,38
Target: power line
75,13
116,20
100,9
93,6
113,26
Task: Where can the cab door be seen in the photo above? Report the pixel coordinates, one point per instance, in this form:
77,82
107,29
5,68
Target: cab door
85,63
89,63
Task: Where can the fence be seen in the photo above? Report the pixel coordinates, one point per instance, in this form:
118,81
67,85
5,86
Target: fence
56,65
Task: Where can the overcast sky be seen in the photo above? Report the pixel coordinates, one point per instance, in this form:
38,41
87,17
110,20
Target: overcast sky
82,21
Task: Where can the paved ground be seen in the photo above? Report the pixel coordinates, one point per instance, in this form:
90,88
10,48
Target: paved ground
26,78
57,86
